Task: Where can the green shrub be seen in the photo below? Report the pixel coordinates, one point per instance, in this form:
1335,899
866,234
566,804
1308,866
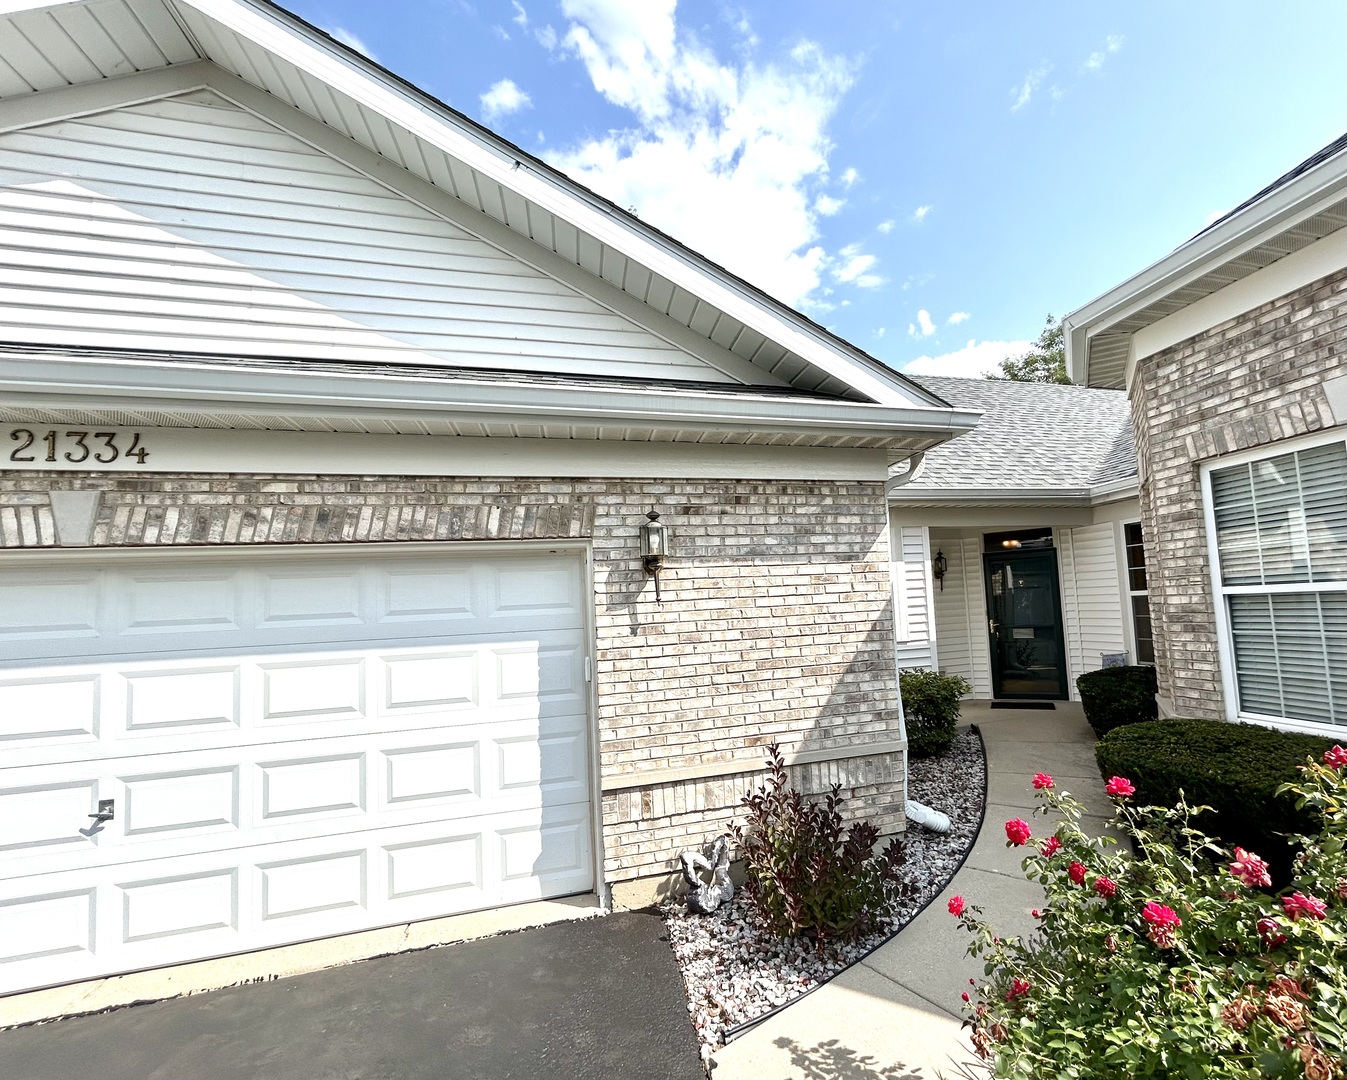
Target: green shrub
806,873
1175,962
1233,768
1114,696
931,701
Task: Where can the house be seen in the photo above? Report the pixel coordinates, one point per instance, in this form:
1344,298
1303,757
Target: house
1231,350
1018,559
330,424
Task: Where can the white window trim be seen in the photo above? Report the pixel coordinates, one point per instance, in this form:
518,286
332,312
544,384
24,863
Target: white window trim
1224,642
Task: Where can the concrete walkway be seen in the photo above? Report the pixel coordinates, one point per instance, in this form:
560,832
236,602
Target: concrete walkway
896,1015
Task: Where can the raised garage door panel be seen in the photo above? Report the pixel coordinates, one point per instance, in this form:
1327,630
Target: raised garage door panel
296,747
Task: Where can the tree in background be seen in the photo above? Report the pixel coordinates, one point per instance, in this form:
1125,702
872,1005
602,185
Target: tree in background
1045,361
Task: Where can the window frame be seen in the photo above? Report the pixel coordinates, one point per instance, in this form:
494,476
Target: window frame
1225,644
1129,593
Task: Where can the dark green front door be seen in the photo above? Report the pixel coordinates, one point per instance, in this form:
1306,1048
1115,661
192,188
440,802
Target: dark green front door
1024,620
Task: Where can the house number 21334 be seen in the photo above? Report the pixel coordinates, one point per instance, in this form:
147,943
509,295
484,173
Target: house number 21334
75,447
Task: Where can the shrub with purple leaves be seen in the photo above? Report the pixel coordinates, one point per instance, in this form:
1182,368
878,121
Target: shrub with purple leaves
808,873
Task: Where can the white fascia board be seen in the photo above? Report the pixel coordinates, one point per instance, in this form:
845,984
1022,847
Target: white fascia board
1296,201
990,496
18,7
201,386
284,35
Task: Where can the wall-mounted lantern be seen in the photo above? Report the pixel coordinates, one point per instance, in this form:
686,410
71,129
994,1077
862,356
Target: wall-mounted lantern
939,568
654,548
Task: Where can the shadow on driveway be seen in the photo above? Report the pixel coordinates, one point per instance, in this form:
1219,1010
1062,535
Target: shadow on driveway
598,998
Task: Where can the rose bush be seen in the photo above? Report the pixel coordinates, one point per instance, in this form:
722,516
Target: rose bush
1173,960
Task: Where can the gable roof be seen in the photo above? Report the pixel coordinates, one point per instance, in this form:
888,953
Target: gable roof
48,46
1035,441
1297,209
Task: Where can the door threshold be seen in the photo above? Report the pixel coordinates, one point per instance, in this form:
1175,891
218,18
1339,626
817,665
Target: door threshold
1023,705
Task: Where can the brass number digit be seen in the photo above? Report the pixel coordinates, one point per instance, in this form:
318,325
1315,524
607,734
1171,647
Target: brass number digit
107,437
135,450
79,437
27,437
50,440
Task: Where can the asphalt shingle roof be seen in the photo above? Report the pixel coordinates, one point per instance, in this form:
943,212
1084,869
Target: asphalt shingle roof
1031,436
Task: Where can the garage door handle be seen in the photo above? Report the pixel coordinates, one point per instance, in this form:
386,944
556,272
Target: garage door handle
105,811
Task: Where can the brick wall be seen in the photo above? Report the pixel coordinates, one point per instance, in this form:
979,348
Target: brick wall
1248,382
776,623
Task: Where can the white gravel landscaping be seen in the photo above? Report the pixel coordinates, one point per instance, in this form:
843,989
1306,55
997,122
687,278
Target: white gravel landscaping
735,972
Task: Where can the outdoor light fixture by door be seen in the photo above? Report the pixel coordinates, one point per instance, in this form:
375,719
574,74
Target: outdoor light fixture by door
654,546
939,568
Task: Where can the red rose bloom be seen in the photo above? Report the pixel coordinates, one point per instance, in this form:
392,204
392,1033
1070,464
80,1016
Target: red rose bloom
1018,988
1335,758
1298,904
1042,781
1050,847
965,996
1250,869
1076,872
1017,831
1160,915
956,905
1105,886
1269,931
1120,787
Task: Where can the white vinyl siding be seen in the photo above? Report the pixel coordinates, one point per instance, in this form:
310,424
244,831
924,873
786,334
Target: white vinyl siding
1091,601
1279,533
189,224
912,596
961,615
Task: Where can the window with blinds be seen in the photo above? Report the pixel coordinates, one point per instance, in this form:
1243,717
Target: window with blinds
1281,542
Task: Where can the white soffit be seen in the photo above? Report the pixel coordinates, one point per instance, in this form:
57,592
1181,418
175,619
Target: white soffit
45,46
1288,219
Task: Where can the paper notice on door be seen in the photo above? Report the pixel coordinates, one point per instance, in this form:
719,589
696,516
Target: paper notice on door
1021,632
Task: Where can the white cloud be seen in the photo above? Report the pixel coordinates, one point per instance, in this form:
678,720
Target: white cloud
886,226
851,267
547,38
923,327
1112,44
729,157
520,16
957,318
501,32
503,98
828,206
849,177
974,359
351,41
1023,94
919,214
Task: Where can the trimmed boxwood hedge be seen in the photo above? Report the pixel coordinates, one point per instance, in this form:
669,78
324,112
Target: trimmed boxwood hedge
931,703
1233,768
1114,696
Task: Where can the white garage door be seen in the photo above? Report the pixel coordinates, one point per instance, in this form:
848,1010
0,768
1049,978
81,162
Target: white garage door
295,746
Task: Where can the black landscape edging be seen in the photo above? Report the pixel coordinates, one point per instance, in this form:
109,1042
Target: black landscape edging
741,1029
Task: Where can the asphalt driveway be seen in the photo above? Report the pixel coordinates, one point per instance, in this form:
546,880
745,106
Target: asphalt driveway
595,998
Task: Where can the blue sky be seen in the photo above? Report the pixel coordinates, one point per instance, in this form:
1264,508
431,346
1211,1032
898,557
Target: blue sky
929,181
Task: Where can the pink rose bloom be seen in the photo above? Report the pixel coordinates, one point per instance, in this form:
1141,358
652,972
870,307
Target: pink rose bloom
1042,781
1335,758
1270,932
1160,915
1120,787
956,905
1298,904
1105,886
1018,988
1250,869
1017,831
1076,872
1050,847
